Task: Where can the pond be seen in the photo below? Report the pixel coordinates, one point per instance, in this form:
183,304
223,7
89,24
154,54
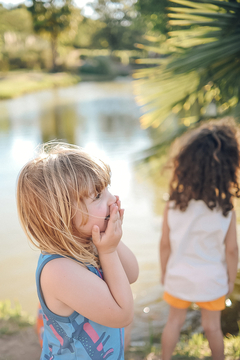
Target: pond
104,119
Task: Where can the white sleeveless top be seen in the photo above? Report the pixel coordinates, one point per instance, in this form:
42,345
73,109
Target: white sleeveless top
196,269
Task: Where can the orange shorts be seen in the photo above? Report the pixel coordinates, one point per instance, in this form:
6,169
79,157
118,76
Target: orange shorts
214,305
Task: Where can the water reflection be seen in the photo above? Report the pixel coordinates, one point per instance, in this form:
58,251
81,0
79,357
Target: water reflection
59,123
4,120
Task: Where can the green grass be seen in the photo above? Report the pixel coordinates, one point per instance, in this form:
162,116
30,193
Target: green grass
12,318
17,83
188,348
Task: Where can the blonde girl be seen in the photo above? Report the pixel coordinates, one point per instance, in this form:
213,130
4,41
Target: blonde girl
198,248
84,271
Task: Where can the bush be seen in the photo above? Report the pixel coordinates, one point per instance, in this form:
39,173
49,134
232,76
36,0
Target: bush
99,65
25,59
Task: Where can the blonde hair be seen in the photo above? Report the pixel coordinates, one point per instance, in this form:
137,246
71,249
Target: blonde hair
50,189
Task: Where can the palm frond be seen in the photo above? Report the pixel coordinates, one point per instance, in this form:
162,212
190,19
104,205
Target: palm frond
221,4
195,5
201,65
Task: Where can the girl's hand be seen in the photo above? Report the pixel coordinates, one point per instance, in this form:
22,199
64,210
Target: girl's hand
121,211
107,242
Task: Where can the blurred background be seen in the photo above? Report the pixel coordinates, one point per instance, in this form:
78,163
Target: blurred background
123,79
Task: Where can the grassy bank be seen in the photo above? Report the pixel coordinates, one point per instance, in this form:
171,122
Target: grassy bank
188,348
18,340
12,318
17,83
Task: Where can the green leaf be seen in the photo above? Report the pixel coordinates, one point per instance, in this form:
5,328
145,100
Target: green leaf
222,4
195,4
202,66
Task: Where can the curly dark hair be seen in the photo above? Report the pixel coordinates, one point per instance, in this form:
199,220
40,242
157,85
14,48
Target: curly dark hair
206,168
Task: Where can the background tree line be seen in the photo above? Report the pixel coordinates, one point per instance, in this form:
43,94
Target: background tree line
42,35
192,51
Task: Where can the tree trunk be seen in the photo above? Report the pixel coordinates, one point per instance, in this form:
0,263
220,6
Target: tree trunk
54,52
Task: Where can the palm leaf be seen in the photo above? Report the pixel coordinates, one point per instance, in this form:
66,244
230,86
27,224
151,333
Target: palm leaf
202,64
194,4
234,6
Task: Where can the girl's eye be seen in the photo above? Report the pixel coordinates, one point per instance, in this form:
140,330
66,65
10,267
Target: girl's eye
98,196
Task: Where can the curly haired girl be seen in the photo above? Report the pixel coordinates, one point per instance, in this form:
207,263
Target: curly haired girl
198,247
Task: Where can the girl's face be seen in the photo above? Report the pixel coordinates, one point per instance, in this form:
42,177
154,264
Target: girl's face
98,208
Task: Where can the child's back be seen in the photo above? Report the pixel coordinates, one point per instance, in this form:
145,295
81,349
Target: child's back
196,269
198,249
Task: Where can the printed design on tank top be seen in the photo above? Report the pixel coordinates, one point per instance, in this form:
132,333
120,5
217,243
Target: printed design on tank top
92,343
121,345
50,356
65,341
87,336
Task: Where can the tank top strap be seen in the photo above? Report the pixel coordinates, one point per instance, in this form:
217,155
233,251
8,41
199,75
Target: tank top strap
44,258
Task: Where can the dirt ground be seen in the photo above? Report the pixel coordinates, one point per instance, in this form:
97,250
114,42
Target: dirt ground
22,345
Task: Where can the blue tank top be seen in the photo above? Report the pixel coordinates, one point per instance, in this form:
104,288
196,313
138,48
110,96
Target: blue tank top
76,337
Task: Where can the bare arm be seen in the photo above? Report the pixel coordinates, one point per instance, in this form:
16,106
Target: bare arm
129,262
126,256
68,286
231,251
165,248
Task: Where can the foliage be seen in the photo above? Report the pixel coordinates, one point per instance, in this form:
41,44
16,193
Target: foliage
14,24
33,58
51,18
155,14
9,312
194,347
12,318
15,20
98,65
121,25
21,48
84,37
197,69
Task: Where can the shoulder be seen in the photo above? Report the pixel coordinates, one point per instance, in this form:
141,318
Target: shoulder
61,268
232,218
65,275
